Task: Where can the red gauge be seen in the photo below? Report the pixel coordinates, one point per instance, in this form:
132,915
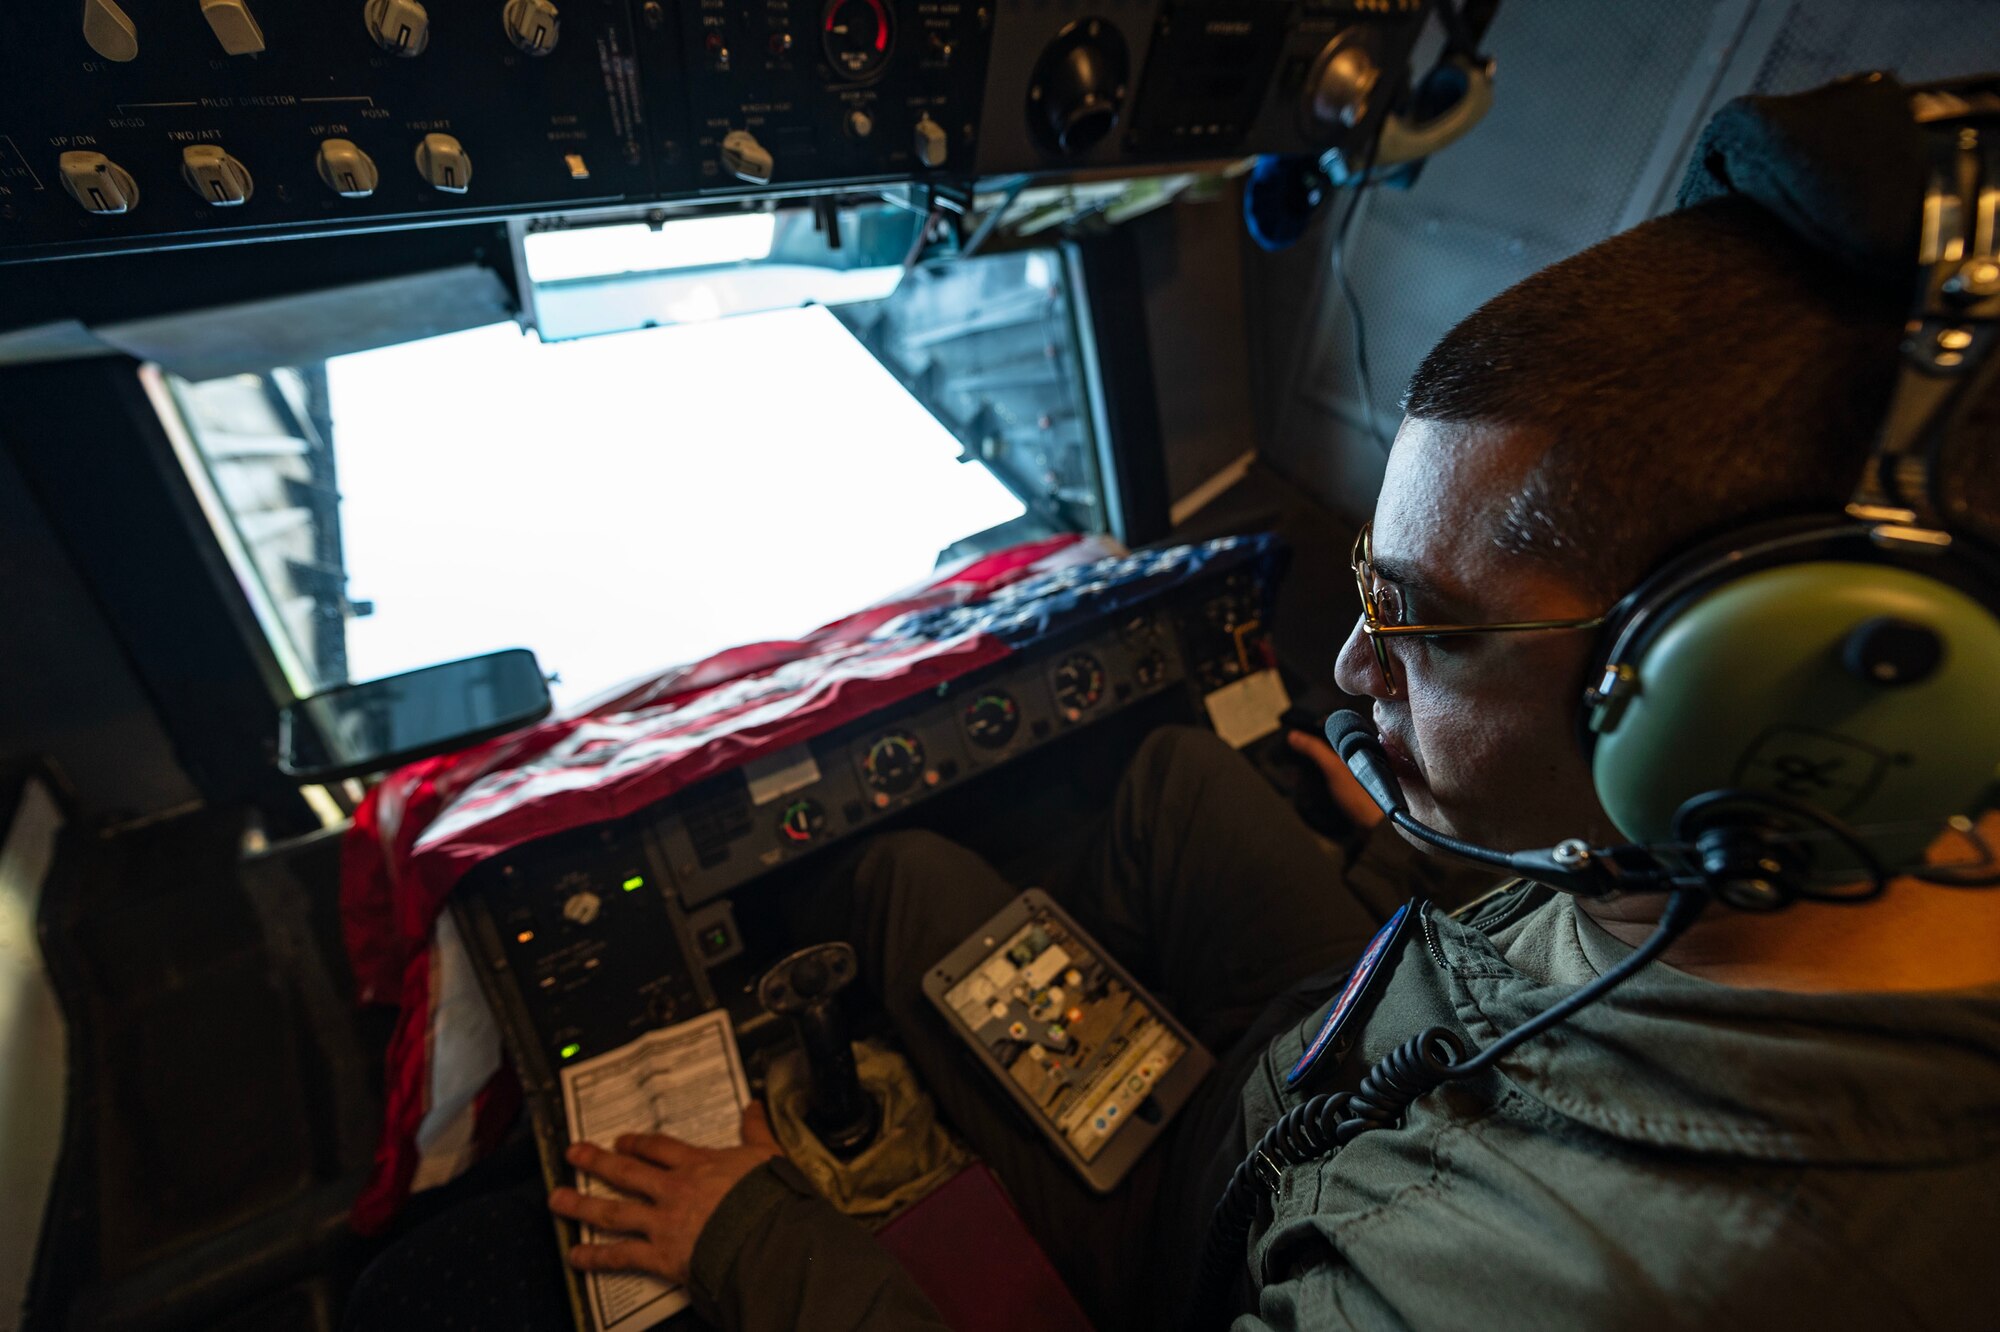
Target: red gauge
858,36
894,763
802,821
1079,682
992,719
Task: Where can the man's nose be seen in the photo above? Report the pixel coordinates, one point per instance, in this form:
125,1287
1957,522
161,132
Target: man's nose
1355,669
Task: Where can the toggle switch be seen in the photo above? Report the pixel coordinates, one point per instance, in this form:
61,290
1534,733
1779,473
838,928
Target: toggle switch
531,25
931,144
217,177
347,171
109,30
234,26
442,162
400,27
99,184
860,124
745,158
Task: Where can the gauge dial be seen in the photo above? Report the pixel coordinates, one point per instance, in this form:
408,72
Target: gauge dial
991,720
858,36
894,764
1079,684
1150,669
802,821
1139,631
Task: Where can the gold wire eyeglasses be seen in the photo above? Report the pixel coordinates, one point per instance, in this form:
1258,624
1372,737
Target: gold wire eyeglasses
1382,612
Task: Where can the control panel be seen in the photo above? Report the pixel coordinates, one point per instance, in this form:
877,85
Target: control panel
732,828
801,92
129,123
593,942
131,119
598,935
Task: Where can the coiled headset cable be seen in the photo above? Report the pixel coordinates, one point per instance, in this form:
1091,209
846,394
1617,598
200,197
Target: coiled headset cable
1324,1124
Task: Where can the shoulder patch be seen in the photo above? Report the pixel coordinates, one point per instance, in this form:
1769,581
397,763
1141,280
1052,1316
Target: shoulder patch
1366,968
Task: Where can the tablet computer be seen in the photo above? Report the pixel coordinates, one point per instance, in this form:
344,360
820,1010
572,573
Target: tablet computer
1096,1063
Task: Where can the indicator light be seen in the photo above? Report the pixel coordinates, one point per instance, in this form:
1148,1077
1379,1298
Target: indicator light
571,1050
525,936
634,883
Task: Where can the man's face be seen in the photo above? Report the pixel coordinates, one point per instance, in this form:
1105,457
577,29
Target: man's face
1482,728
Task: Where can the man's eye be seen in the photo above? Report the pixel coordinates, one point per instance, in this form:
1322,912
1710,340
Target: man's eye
1389,604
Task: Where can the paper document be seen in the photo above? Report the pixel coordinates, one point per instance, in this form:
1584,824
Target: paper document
1248,710
684,1081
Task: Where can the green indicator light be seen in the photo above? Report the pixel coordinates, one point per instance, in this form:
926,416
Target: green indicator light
571,1050
635,882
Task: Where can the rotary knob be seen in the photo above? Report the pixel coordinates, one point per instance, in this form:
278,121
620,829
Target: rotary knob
234,26
400,27
746,159
932,147
110,31
217,177
1078,87
531,25
444,164
97,183
347,171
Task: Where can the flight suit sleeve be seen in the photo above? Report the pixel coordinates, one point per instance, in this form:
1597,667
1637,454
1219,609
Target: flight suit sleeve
777,1256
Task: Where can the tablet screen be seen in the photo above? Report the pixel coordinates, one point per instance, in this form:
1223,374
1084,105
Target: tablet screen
1077,1041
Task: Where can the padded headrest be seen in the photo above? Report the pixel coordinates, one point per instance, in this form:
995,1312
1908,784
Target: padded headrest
1842,166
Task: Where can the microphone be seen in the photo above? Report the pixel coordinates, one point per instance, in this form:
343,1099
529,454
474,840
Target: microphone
1572,866
1362,753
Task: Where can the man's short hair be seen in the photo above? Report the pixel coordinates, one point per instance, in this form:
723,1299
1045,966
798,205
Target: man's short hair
1698,371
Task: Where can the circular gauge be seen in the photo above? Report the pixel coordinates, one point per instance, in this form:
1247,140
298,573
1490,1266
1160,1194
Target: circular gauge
1140,631
1079,684
895,763
858,36
802,821
991,720
1150,669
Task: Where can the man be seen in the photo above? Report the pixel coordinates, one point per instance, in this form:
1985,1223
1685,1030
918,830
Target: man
1794,1120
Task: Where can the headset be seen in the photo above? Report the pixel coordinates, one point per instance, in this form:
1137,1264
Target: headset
1797,708
1801,705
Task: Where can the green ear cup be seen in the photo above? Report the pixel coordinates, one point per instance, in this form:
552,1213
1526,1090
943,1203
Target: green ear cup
1756,685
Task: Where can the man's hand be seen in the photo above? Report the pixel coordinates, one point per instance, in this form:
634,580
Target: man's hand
675,1188
1354,802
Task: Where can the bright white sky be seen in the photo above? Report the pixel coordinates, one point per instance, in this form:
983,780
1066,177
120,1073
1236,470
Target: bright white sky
623,503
